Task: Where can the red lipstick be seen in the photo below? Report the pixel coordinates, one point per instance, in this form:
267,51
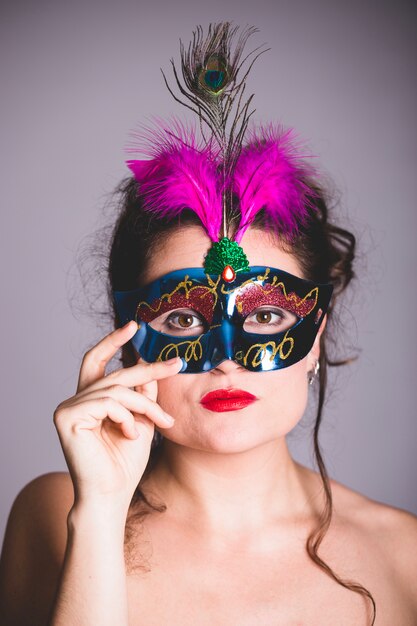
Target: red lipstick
222,400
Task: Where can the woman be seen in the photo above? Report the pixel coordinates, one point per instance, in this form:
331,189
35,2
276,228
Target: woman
183,504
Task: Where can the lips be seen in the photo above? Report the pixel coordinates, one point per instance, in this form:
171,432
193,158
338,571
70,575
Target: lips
222,400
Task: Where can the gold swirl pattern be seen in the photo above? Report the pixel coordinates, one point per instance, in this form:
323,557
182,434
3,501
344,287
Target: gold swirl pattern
261,350
194,350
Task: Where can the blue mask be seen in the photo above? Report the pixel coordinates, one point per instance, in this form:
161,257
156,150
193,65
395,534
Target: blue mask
265,320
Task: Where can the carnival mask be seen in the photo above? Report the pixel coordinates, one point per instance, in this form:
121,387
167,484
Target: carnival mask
266,319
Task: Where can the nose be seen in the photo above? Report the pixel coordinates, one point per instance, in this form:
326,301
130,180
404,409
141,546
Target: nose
227,367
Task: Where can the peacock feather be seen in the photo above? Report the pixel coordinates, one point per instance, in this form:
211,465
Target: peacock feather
213,84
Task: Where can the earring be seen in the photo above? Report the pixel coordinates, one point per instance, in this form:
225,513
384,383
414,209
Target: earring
311,375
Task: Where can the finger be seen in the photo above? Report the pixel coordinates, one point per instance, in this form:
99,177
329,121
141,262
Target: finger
93,366
138,375
133,401
150,389
144,373
97,410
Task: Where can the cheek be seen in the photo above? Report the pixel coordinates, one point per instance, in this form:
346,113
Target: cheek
173,393
285,395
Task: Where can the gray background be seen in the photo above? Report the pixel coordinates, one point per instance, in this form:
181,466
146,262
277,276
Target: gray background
77,76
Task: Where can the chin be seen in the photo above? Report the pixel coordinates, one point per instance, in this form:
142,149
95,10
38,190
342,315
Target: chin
228,433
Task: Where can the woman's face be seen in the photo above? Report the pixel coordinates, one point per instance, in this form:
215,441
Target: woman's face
281,394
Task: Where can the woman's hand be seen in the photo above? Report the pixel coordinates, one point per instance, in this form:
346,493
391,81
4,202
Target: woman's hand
106,429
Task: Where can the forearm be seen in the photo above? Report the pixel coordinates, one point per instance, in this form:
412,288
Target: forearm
92,588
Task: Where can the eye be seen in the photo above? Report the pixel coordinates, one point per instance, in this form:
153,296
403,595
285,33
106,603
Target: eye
264,317
185,320
269,320
180,322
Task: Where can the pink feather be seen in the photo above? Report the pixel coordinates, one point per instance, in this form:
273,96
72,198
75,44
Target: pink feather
179,175
270,174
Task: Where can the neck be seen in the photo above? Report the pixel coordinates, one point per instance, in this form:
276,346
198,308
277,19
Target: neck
234,493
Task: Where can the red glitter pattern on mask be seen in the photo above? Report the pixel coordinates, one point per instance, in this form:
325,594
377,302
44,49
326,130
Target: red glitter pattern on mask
255,295
198,298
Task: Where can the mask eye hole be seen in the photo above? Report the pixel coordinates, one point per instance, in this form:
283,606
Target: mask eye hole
269,320
180,322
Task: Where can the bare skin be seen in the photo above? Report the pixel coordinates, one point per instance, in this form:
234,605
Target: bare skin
200,579
230,548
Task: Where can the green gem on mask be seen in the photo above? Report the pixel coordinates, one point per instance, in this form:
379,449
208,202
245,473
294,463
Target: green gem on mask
226,254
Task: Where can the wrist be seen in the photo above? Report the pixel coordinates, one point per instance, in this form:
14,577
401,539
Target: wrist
97,515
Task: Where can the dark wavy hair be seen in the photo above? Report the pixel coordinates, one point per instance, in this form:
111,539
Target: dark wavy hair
325,253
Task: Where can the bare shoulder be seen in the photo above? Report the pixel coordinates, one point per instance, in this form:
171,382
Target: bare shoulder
41,489
390,523
387,530
35,541
43,506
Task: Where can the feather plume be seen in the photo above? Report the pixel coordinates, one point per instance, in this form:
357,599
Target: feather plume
271,174
214,73
179,175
